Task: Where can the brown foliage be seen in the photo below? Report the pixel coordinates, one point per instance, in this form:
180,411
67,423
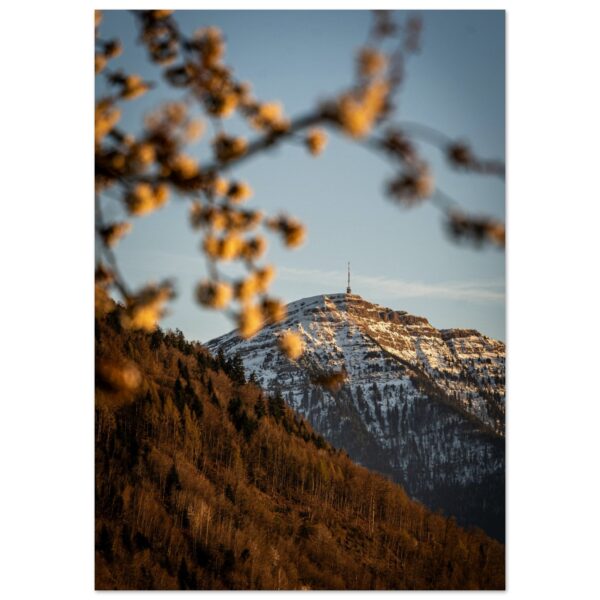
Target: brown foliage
202,482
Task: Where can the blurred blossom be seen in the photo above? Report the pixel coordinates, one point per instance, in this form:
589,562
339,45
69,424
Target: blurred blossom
99,62
384,25
316,140
229,148
358,111
214,294
215,218
332,381
245,289
161,14
103,304
184,166
220,186
230,247
175,112
113,233
117,161
371,62
159,35
477,229
254,248
269,116
146,198
223,218
226,248
146,308
133,86
118,376
210,246
396,143
106,117
264,277
243,220
194,130
221,105
112,49
274,310
460,154
412,187
250,320
209,42
239,191
291,345
144,154
102,276
293,232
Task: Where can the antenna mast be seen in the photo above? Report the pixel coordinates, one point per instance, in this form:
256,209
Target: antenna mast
348,290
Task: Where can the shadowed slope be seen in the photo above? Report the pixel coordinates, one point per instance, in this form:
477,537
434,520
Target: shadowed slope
203,482
422,405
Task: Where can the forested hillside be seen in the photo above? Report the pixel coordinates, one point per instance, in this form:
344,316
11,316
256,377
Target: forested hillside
422,405
204,482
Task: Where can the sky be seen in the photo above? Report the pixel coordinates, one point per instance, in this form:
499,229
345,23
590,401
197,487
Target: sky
401,258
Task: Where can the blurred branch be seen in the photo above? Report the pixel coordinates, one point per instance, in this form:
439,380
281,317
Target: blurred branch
146,169
269,140
109,255
458,153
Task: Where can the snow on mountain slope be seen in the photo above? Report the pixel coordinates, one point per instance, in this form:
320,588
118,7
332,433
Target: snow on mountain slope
425,406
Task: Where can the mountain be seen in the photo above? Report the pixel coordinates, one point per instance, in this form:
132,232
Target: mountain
204,481
421,405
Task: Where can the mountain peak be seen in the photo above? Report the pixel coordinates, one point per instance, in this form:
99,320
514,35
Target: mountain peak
346,332
423,405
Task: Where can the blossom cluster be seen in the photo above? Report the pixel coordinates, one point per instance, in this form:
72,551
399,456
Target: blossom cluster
144,171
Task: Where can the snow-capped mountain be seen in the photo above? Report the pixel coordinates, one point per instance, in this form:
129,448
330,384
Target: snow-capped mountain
423,405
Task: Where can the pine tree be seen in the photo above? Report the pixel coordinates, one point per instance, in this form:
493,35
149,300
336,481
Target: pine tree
235,369
104,544
212,396
259,408
172,482
184,577
182,368
156,339
276,406
221,360
179,394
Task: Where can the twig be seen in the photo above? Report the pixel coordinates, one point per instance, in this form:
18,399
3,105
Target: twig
119,281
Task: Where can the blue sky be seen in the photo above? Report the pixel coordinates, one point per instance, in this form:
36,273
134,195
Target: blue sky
400,258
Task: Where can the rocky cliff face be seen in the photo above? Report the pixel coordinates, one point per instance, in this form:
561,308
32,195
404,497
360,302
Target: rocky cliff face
422,405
